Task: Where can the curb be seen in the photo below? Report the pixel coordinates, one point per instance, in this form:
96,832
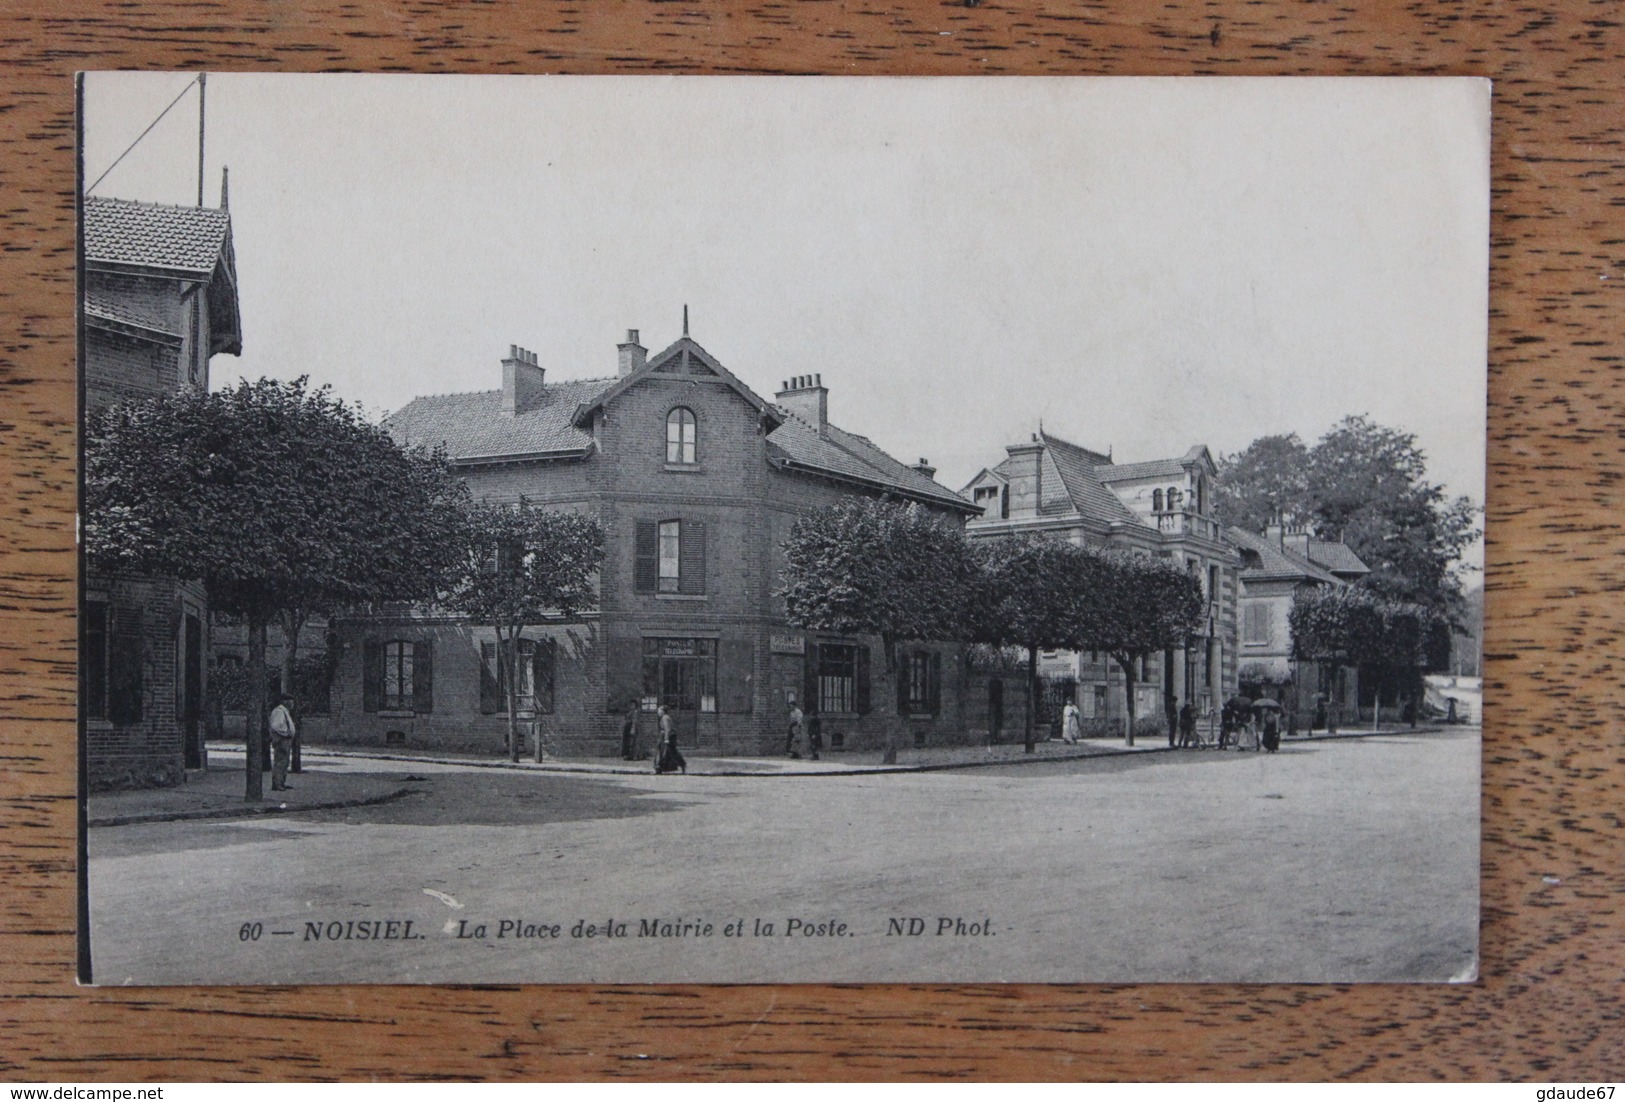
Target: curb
243,812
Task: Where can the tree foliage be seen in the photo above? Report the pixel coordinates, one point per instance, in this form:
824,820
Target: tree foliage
1032,593
521,565
878,567
1354,626
271,494
1367,485
1139,605
276,497
1269,481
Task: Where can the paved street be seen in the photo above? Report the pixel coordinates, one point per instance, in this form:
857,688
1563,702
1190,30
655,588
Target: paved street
1333,860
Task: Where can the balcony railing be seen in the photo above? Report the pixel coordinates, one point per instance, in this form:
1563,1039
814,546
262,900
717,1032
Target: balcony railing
1183,522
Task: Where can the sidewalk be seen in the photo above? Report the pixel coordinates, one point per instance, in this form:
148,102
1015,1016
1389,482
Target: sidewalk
339,777
217,793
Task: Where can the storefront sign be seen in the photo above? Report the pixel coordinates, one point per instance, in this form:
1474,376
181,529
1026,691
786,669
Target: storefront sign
788,644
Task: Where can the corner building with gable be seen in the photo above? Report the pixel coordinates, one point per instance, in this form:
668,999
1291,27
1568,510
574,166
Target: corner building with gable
697,481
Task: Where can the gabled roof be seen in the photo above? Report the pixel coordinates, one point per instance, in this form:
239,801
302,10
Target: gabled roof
681,353
1275,563
1151,468
1080,471
190,240
472,426
1337,556
795,444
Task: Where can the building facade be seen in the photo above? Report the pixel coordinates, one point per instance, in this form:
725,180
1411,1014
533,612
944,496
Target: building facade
1276,566
696,480
159,299
1049,486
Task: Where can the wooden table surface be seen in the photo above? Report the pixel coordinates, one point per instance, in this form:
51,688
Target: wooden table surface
1549,1007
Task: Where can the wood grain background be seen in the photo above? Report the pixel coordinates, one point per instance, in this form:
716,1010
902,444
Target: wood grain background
1549,1006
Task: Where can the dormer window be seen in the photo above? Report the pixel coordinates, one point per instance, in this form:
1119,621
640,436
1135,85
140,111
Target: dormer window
681,436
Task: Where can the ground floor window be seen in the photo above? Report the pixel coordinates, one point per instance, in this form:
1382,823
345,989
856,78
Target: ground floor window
922,682
397,687
397,675
680,673
837,678
536,677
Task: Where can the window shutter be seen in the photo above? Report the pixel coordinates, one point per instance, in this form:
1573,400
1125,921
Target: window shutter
936,684
646,567
863,681
624,675
903,672
545,656
809,679
124,669
490,690
372,674
734,675
423,675
691,557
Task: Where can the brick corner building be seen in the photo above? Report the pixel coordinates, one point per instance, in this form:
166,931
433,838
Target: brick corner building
696,480
159,299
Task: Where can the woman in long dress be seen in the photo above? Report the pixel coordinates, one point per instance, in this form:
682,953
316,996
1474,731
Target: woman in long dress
669,759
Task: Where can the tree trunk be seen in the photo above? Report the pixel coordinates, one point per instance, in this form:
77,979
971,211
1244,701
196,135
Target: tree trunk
293,622
1127,664
1032,695
255,721
509,656
889,646
1331,699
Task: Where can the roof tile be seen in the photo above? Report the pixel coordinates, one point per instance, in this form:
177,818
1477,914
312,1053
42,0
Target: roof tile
154,235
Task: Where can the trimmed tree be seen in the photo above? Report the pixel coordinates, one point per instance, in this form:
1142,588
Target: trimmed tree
1032,594
868,566
277,497
1140,605
521,566
1349,625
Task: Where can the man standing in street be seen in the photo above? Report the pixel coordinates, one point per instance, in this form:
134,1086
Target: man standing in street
282,732
792,735
629,733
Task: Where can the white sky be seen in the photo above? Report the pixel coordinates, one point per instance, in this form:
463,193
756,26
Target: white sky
1144,264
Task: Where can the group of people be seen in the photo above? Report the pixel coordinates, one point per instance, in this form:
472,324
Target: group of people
1236,726
668,759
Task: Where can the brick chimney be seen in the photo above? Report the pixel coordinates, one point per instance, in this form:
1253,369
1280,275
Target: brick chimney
1024,471
1296,540
1274,533
521,381
806,397
633,354
925,468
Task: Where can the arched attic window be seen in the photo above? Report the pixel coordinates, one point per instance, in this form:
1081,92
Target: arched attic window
1173,498
682,436
1156,501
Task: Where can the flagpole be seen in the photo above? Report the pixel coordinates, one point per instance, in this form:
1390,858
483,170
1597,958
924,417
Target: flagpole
202,79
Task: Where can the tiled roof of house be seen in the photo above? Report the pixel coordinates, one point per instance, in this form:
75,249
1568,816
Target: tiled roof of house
1081,477
1337,556
1151,468
472,426
1274,563
97,306
849,455
154,235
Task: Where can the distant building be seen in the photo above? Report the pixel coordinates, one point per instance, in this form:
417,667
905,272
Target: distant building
159,299
1276,566
1162,507
697,480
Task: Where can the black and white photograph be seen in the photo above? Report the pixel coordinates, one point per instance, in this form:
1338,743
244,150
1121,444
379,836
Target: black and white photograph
781,530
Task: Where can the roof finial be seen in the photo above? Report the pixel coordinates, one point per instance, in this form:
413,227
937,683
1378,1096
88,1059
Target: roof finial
225,188
685,319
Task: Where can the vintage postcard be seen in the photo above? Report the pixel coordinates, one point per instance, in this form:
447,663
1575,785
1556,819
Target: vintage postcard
750,530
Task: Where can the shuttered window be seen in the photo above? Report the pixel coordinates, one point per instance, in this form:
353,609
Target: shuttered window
537,659
922,683
669,557
1256,624
397,676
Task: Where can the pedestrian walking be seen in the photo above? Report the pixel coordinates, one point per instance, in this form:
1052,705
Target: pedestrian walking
1187,725
1271,737
629,733
282,731
669,759
1071,723
792,731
